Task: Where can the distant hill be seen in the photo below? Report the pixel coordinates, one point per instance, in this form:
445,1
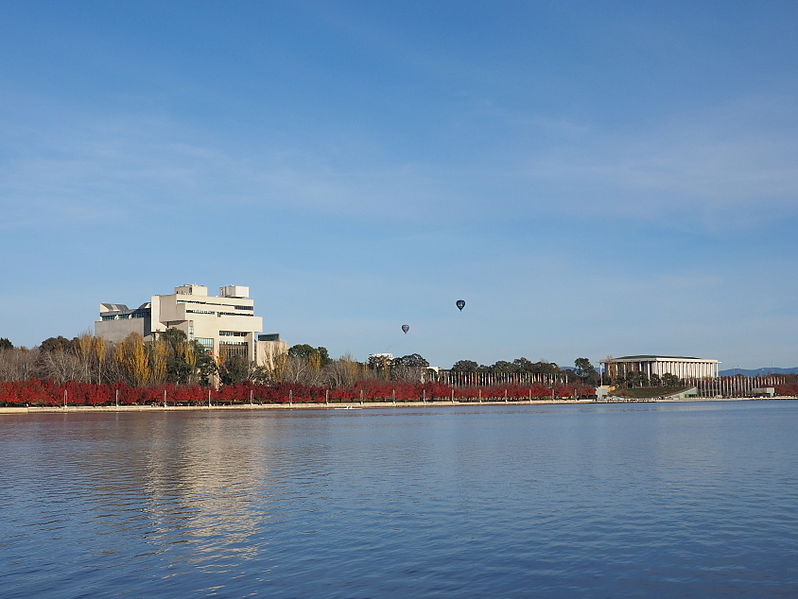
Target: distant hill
758,371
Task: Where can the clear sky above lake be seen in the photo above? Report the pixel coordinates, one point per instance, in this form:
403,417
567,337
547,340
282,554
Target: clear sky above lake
592,178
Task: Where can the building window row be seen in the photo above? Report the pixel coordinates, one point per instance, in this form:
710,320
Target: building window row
123,316
221,304
217,313
233,334
228,349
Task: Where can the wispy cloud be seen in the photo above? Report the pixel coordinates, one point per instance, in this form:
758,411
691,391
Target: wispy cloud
740,157
731,165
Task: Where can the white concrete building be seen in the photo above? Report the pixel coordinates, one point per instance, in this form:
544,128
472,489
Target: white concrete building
681,366
225,325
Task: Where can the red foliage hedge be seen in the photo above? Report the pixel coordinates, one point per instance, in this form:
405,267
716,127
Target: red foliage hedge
788,389
47,393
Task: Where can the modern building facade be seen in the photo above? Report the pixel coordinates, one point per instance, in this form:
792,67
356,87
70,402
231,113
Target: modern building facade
681,366
225,325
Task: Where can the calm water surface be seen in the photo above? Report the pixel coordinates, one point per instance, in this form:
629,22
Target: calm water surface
665,500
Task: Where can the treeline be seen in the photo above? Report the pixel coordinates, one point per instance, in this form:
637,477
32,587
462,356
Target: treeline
173,359
583,370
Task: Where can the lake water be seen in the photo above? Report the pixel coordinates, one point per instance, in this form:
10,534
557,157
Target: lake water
635,500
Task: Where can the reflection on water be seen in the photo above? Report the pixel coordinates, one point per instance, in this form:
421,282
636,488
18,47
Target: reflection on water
633,500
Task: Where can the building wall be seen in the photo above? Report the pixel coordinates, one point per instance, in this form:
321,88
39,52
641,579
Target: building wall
224,324
116,330
684,368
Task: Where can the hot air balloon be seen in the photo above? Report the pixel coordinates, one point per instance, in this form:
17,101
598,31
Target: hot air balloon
460,304
405,328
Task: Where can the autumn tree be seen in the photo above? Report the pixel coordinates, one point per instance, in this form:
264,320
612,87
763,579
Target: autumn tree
100,355
83,348
19,364
132,356
345,371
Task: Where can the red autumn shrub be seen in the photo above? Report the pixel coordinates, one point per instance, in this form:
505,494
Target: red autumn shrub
47,393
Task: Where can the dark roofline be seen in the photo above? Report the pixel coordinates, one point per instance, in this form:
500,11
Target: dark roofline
652,356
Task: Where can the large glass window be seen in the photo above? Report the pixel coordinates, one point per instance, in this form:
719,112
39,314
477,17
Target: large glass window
206,342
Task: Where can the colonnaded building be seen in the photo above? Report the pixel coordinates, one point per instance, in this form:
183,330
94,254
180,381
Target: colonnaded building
681,366
225,325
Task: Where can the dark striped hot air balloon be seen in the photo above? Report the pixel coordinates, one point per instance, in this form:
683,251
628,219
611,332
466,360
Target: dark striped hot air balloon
405,328
460,304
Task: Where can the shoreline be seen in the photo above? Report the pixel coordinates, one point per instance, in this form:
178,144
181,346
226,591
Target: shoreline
20,410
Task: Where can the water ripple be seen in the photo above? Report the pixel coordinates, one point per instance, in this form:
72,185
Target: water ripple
688,500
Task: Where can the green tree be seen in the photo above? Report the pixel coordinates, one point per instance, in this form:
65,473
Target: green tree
635,379
411,361
465,366
179,355
308,352
523,365
5,343
585,370
324,355
504,367
235,369
206,365
543,367
59,343
183,360
670,380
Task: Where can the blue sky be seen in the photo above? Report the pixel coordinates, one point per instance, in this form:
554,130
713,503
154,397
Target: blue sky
592,178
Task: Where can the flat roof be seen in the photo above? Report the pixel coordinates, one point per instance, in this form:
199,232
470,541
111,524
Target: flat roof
657,357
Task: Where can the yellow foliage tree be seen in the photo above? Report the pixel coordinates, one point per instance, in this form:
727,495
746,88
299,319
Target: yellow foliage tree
85,352
157,356
99,355
132,355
